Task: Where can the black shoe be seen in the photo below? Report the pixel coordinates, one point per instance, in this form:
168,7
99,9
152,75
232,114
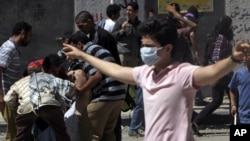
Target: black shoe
142,128
135,134
195,128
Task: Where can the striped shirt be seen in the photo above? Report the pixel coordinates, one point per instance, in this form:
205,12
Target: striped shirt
10,62
108,89
37,90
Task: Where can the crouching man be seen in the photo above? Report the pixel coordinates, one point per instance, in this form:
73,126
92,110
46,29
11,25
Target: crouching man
40,95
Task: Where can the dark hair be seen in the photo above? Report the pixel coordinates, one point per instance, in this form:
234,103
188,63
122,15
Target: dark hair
83,16
52,60
163,29
21,26
151,10
134,5
67,35
177,7
194,11
223,26
112,9
79,36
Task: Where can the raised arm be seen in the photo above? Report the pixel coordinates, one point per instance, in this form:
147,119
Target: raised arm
212,73
120,73
119,28
195,45
184,22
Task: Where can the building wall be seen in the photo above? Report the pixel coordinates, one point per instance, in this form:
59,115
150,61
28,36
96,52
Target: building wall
49,19
98,8
239,11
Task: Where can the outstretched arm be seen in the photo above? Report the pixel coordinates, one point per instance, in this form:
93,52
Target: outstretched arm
120,73
212,73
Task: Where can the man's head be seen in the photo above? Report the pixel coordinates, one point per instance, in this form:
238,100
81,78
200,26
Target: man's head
79,39
85,22
66,36
113,11
151,13
52,64
161,30
192,14
132,10
33,66
22,31
176,6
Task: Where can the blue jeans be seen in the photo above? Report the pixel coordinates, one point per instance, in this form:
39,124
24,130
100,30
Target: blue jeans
137,119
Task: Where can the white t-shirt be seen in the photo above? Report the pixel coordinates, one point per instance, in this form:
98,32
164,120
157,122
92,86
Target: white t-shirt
109,25
168,101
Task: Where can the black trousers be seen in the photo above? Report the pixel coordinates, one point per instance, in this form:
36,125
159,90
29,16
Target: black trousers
217,93
52,115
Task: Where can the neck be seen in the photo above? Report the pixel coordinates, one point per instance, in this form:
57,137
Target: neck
162,65
133,19
16,39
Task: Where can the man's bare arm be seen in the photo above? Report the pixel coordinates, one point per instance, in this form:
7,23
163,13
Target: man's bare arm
212,73
120,73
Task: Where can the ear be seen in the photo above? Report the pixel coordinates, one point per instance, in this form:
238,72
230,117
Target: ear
169,48
79,45
23,33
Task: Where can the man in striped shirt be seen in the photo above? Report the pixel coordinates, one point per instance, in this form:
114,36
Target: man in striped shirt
107,93
10,67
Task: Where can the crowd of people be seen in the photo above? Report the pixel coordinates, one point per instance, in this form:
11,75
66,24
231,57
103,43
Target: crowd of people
77,93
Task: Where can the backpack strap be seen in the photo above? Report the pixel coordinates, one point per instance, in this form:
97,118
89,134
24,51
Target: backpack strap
128,99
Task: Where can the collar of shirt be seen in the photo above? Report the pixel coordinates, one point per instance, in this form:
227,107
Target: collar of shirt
165,70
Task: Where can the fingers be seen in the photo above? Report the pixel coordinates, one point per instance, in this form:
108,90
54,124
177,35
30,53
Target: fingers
245,50
67,47
242,51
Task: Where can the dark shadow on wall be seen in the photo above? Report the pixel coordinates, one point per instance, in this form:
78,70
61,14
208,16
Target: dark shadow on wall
49,19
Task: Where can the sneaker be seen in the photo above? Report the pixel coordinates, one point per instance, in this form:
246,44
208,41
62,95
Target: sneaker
135,134
195,128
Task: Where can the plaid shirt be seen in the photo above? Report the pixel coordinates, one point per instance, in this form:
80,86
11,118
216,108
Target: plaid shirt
37,90
220,48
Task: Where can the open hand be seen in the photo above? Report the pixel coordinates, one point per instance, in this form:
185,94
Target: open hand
72,52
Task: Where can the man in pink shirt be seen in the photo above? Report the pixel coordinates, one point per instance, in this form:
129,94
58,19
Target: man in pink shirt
168,86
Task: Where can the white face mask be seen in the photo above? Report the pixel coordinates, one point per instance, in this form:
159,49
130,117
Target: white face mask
149,55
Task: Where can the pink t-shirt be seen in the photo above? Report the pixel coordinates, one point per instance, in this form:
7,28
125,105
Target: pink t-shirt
168,101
